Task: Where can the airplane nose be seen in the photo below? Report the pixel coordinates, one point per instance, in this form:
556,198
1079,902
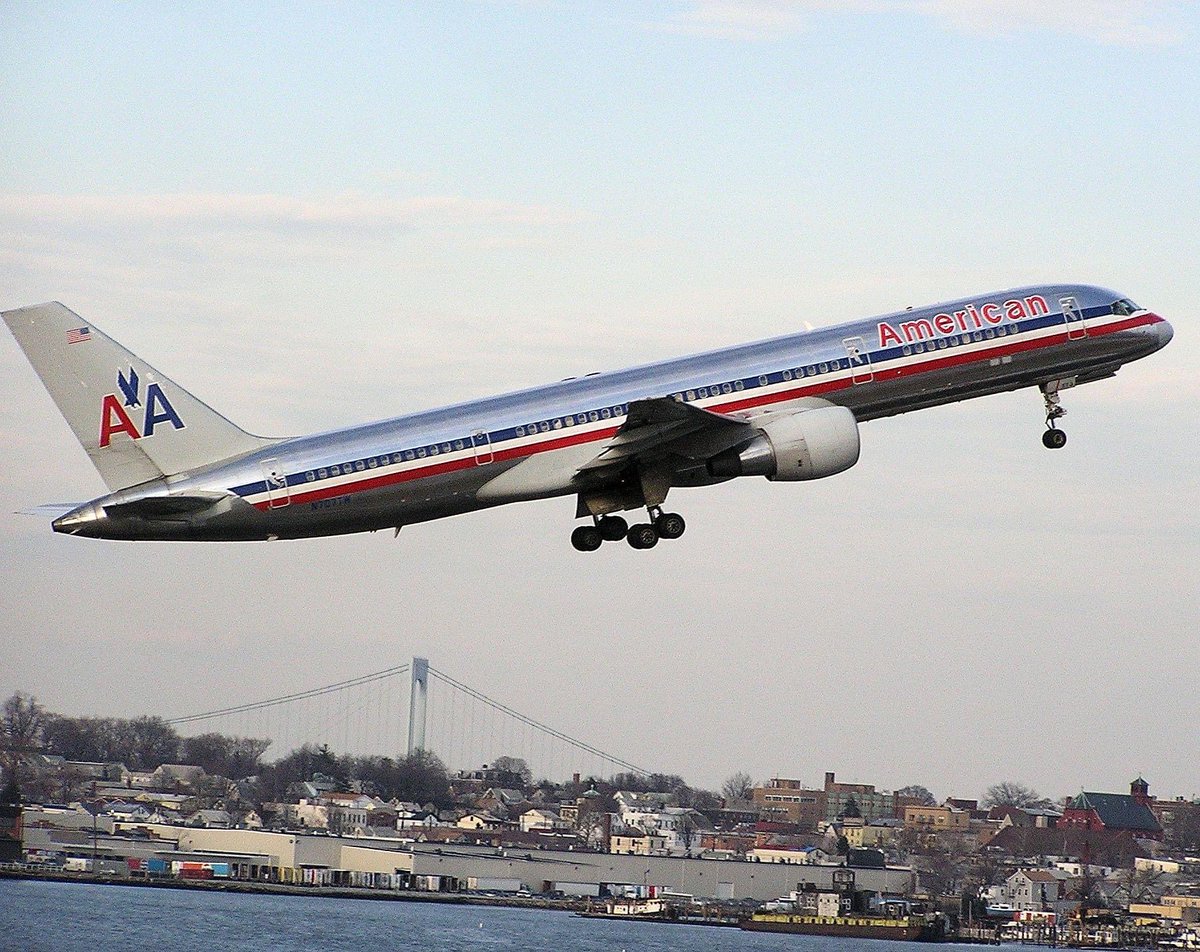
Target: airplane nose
1165,333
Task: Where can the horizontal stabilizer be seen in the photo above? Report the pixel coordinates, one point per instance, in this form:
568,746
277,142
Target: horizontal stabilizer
50,509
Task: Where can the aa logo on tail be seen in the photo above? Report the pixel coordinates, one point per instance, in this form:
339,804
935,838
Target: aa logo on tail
115,418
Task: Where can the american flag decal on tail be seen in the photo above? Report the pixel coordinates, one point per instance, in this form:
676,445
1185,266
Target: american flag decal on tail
78,335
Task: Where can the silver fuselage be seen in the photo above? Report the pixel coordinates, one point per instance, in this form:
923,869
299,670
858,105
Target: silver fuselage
442,462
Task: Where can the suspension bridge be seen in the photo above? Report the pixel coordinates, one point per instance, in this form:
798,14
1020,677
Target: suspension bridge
404,709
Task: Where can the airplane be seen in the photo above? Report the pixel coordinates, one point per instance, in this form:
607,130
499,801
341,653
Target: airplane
788,409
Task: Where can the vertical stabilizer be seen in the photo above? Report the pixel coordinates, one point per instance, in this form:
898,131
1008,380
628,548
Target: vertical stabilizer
134,423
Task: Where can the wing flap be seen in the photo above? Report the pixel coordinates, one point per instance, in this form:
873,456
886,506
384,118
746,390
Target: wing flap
661,425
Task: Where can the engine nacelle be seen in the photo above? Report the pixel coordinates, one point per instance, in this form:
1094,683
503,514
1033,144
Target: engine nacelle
807,444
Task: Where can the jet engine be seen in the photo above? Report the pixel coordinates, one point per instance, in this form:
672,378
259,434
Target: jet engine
806,444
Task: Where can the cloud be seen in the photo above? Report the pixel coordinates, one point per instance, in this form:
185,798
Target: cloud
1110,22
351,210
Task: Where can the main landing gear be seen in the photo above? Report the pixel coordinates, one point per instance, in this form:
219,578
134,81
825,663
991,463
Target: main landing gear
1053,438
643,535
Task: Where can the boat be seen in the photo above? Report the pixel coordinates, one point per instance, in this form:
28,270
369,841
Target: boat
908,928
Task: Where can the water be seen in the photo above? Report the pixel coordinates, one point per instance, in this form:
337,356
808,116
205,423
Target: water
40,916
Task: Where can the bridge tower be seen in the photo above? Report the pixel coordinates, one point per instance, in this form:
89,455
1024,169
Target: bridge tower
417,697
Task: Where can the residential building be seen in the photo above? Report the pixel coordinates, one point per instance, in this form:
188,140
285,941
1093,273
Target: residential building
533,821
871,803
789,801
638,844
936,819
1035,890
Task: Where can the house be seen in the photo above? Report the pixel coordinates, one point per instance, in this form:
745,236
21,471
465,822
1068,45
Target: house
211,820
1036,890
171,776
795,855
638,844
936,819
127,812
542,821
1116,812
480,821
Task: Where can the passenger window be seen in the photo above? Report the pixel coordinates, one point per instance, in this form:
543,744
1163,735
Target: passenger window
787,375
544,426
703,392
458,444
738,385
920,348
408,455
310,476
989,334
445,447
420,452
605,413
593,416
762,381
977,336
726,388
360,465
334,471
823,367
372,462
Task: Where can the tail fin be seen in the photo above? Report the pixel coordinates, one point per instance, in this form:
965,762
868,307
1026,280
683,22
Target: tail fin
134,423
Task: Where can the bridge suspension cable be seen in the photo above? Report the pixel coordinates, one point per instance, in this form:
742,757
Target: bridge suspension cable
537,725
297,696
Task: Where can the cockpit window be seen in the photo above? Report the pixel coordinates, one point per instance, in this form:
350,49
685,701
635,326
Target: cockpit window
1124,307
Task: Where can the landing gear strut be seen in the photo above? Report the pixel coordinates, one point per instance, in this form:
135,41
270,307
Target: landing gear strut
1053,438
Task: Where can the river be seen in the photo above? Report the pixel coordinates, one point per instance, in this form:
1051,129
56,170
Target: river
39,916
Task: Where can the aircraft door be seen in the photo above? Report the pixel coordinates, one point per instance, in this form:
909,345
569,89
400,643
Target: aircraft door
861,370
1073,318
277,485
483,448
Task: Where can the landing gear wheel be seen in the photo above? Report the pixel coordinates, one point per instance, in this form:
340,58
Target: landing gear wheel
642,536
1054,439
612,528
587,538
670,525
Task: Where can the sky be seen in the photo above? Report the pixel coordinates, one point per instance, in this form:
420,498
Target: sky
315,215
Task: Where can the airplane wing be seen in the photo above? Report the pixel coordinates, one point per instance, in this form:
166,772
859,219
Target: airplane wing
661,426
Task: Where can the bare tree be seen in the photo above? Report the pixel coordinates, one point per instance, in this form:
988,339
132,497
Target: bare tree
914,791
737,786
21,722
1009,793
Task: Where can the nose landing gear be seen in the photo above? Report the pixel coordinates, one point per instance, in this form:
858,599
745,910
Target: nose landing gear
1053,438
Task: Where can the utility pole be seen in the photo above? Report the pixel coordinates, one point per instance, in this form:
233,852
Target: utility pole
417,698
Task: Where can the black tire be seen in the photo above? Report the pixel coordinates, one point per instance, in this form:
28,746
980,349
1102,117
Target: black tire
587,538
642,536
1054,439
613,528
670,525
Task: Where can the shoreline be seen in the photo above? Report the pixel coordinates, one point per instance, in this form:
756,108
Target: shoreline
291,889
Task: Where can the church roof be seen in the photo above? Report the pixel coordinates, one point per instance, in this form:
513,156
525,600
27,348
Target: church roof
1118,811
